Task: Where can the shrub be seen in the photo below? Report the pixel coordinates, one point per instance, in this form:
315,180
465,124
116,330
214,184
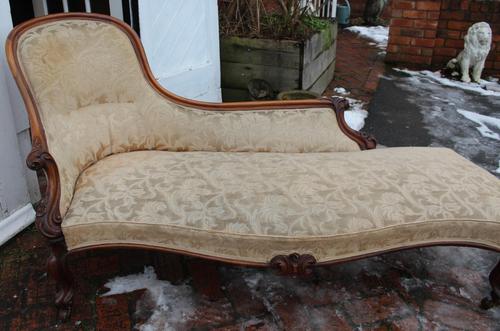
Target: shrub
288,19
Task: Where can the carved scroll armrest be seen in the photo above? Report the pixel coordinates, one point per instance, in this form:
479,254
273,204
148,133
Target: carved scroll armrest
365,141
339,105
48,216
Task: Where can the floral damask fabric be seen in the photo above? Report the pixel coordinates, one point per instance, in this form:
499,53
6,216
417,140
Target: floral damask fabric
94,101
253,206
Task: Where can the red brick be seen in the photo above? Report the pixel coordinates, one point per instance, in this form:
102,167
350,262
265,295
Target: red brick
458,25
496,65
446,51
464,5
244,302
414,14
452,15
424,42
409,323
443,25
426,24
429,5
446,314
392,57
454,5
430,33
411,32
485,8
290,312
427,51
411,50
402,4
475,7
455,43
329,320
208,314
112,313
448,34
476,16
402,22
374,308
392,48
433,15
397,40
394,31
397,13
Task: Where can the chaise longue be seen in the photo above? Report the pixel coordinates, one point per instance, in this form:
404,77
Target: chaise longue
279,184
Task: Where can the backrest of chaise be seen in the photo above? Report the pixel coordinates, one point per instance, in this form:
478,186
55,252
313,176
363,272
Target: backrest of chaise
86,80
93,100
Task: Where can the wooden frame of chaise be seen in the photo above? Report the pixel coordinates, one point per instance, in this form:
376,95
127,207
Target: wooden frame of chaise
60,87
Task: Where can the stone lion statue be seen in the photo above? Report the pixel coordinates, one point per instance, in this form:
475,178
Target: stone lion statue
477,44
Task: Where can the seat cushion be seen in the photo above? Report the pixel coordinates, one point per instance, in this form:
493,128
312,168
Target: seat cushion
253,206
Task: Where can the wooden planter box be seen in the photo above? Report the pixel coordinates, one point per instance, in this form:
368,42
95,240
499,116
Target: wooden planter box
285,64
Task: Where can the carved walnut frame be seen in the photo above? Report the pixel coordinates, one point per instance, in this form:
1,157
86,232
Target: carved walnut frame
48,216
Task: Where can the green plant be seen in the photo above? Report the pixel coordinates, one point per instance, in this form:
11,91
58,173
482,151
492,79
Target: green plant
292,19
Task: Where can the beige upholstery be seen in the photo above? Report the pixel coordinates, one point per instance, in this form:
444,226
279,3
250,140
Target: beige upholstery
95,101
253,206
119,141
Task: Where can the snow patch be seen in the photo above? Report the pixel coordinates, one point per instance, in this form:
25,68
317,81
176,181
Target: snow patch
439,105
355,116
341,90
436,77
272,289
498,169
378,34
483,122
171,305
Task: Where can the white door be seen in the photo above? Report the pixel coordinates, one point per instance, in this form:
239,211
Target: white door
181,39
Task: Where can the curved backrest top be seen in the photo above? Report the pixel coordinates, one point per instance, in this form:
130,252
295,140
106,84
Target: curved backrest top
18,35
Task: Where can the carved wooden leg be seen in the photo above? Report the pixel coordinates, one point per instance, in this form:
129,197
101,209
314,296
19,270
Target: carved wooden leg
494,300
58,270
206,278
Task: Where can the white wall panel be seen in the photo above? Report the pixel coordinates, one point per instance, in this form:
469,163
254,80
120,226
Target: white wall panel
181,39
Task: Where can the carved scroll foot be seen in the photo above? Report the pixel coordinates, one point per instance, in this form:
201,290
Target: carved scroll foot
494,299
58,270
294,264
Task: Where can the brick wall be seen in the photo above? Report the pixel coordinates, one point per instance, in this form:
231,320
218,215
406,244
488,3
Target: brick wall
456,17
431,32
